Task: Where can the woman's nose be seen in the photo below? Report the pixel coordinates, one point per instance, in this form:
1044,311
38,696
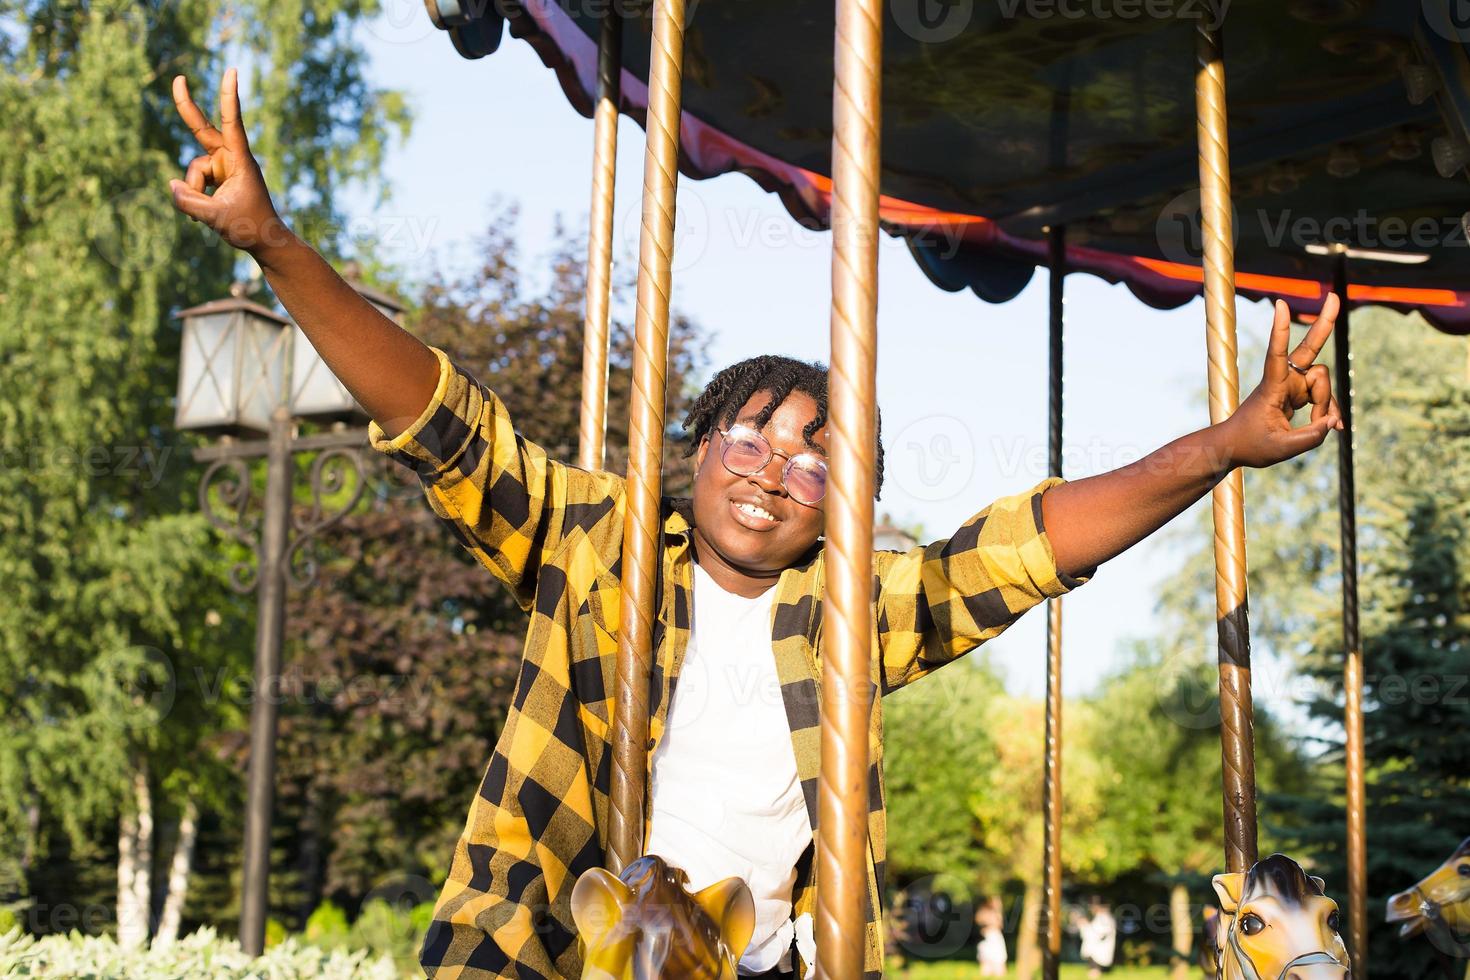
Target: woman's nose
768,478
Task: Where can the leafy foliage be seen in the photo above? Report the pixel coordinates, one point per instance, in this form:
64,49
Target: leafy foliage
1412,415
938,748
197,955
117,596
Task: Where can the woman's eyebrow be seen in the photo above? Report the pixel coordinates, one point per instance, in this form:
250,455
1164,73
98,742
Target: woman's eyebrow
754,423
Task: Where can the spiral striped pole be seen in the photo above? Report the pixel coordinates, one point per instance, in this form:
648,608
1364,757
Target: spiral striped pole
646,437
1231,612
1051,789
847,692
592,421
1352,672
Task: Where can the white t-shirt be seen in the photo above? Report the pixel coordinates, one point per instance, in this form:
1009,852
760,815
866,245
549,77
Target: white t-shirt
1098,938
726,797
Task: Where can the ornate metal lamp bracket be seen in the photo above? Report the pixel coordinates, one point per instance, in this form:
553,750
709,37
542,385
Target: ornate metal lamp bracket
227,499
229,477
332,472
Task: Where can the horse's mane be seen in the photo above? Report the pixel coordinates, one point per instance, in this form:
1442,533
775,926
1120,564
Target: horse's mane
1463,850
1282,877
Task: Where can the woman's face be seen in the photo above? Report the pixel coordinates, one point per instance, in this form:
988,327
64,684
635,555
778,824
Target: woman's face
748,529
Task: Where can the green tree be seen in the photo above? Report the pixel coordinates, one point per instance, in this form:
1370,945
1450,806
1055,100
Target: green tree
1416,709
937,748
963,767
1155,727
1412,414
115,591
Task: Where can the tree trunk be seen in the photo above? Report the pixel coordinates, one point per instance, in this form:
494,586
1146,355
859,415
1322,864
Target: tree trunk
127,846
33,825
178,876
1183,927
1028,947
135,864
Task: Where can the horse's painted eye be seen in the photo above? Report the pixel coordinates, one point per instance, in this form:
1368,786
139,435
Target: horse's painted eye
1332,921
1464,870
1251,924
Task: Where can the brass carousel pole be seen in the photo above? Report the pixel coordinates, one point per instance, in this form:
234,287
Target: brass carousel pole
1231,612
842,807
646,437
591,452
1051,790
1352,674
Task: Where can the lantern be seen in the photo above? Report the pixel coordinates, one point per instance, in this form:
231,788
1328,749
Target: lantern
233,364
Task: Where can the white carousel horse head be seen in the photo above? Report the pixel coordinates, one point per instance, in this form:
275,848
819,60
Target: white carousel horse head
1277,924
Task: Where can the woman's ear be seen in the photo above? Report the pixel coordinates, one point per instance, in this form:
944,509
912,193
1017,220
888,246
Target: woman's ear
699,454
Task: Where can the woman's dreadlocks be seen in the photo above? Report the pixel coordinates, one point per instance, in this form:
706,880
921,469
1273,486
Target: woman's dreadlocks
731,388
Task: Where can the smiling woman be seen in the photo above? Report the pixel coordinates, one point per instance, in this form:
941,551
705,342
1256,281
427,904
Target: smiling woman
758,500
738,587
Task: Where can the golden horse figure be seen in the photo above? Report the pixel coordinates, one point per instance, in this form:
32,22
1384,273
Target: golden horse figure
1438,908
645,924
1276,923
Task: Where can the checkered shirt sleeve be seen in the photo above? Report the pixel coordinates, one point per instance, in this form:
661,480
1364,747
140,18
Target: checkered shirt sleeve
941,600
550,531
501,495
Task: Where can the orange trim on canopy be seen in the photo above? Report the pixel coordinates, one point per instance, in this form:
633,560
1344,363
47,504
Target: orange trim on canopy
1406,296
1279,285
1310,288
897,209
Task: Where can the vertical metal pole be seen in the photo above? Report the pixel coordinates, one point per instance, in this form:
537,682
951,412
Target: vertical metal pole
1231,611
1051,790
646,436
269,631
1352,674
847,689
591,453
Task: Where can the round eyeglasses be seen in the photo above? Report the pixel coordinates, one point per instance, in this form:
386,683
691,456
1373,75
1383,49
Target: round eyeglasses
745,452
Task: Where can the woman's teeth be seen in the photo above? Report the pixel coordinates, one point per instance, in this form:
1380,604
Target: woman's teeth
755,511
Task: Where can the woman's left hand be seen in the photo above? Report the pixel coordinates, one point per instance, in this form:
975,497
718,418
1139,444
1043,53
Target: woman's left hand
1260,432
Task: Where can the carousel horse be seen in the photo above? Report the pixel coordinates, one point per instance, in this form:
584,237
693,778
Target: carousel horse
1277,924
645,924
1438,907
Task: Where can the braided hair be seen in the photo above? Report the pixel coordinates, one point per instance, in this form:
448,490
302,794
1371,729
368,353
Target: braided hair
731,388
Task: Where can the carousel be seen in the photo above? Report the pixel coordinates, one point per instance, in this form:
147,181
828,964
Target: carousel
996,138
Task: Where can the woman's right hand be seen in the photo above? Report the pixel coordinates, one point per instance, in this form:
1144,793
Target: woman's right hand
240,208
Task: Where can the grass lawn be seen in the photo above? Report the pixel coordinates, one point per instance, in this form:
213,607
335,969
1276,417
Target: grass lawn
957,970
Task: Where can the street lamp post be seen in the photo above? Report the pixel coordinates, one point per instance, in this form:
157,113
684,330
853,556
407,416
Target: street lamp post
243,367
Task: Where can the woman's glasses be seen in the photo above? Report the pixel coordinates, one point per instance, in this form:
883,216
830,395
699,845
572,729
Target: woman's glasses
745,452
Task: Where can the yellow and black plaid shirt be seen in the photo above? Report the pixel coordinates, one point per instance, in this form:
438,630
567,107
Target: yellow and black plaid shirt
553,533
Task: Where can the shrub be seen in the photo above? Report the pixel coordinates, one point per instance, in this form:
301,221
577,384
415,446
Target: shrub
327,926
200,954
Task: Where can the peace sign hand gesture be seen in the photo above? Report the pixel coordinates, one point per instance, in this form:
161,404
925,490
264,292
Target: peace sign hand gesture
240,208
1260,431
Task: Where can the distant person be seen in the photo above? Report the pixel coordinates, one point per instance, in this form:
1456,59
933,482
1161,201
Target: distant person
1099,937
992,949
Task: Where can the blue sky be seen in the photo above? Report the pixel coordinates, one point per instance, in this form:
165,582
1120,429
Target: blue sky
962,383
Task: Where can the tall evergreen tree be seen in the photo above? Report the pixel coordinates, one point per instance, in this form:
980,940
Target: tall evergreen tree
1412,415
1416,711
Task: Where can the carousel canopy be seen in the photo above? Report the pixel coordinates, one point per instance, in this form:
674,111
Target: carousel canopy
1348,123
